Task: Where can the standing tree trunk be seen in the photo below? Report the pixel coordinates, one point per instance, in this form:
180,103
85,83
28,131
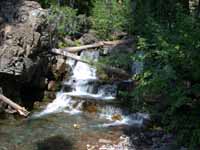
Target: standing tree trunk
198,9
134,6
186,5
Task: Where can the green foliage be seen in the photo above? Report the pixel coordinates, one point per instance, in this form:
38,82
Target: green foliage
66,20
119,59
111,16
83,7
171,76
47,3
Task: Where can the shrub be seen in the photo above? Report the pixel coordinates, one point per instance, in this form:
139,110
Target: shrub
171,77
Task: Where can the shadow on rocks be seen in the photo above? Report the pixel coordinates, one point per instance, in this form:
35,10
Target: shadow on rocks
55,143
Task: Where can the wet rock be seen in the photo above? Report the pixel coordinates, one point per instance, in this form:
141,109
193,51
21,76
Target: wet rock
55,143
122,143
1,103
91,108
183,148
60,69
2,107
51,86
167,147
88,38
68,41
126,85
107,89
49,95
167,138
116,117
1,90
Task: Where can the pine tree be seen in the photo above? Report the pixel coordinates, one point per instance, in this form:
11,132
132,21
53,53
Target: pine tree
111,16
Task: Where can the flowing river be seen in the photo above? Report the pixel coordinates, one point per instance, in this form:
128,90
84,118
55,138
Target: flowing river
84,116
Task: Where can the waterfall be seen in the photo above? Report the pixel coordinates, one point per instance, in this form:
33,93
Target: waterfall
84,84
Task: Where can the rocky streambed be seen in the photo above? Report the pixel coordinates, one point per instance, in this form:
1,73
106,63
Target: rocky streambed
84,115
78,120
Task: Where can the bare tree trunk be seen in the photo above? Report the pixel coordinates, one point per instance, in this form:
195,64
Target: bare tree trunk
134,6
198,9
186,5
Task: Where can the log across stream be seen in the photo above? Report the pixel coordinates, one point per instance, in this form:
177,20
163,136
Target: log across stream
71,53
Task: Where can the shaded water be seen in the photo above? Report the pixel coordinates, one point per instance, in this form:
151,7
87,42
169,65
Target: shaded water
74,119
27,134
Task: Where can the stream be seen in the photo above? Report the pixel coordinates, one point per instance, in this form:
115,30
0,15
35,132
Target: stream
83,116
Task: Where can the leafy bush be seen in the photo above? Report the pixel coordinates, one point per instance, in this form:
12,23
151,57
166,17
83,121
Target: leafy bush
47,3
171,77
121,60
111,16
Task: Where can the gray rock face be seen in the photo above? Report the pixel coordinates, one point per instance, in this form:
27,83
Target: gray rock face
25,38
21,34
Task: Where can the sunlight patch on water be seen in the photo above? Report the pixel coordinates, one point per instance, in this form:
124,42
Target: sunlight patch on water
117,117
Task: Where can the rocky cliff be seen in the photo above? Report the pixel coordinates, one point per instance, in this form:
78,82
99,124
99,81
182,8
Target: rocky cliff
24,44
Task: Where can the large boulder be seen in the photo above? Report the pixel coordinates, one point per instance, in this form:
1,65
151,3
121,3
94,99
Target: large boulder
25,41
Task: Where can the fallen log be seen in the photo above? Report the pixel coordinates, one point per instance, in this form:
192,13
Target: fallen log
21,110
70,55
113,70
96,45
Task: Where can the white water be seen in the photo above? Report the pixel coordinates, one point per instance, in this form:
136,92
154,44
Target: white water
136,119
82,83
83,74
83,71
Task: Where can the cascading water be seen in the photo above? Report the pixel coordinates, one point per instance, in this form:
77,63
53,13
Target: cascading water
120,118
84,85
81,113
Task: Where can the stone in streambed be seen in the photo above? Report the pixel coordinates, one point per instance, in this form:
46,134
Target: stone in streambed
91,109
105,141
76,126
116,117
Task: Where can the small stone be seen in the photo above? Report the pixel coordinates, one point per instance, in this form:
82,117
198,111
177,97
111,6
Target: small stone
91,109
76,126
116,117
105,141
